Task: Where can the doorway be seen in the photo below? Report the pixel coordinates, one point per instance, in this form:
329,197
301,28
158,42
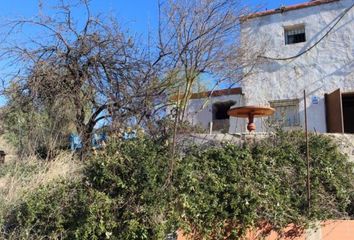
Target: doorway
348,112
220,117
340,112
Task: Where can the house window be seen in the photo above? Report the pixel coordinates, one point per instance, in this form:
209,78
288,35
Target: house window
286,112
295,34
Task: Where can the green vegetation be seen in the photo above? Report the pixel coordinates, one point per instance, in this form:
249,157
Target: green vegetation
262,184
90,75
215,192
119,197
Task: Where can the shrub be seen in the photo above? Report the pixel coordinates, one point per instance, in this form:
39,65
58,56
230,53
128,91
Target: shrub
224,191
64,210
216,192
133,174
120,197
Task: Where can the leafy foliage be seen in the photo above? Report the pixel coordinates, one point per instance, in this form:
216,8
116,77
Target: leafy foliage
120,197
133,173
66,210
216,192
225,191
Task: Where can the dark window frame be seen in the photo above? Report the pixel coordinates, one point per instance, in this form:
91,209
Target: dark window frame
295,34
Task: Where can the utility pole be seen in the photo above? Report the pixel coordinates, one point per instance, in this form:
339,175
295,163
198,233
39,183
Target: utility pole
307,156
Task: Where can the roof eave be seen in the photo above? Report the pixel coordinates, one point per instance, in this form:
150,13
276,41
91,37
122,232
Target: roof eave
286,9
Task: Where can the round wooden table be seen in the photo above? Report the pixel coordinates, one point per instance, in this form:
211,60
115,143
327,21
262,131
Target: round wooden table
250,112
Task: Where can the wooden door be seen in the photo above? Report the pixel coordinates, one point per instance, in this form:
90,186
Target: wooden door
334,112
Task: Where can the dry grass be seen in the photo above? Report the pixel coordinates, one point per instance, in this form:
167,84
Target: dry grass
20,177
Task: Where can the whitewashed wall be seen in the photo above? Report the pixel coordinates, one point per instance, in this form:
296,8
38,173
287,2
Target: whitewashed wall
199,112
327,67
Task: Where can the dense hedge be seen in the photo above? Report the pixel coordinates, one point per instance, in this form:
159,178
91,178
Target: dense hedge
263,184
215,192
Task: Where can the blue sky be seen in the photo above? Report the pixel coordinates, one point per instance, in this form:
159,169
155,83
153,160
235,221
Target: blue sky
137,15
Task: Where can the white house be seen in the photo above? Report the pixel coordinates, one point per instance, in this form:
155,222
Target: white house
310,47
209,110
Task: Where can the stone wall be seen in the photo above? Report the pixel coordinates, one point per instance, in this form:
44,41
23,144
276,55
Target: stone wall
345,141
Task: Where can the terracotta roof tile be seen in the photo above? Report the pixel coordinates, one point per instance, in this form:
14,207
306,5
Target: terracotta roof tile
287,8
215,93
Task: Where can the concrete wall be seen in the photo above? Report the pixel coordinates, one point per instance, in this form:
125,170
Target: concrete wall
328,230
327,67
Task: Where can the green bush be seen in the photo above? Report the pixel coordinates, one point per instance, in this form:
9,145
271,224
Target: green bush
215,191
120,197
250,186
64,210
133,173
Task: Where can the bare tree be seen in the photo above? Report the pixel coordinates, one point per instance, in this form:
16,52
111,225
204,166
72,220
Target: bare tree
92,67
99,72
201,39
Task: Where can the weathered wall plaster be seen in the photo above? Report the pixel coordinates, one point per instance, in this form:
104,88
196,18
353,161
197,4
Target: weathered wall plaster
327,67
